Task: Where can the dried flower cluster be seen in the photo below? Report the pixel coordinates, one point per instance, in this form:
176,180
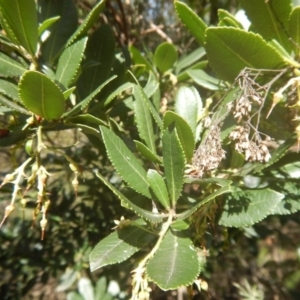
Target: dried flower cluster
209,154
253,150
246,137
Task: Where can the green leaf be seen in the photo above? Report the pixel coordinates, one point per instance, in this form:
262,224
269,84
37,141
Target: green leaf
222,110
158,187
46,24
85,102
180,225
87,24
175,263
149,104
190,59
245,208
165,56
237,160
126,164
67,93
118,91
20,19
118,246
227,19
294,27
86,119
66,280
143,119
138,58
89,130
229,22
174,162
183,76
230,50
101,49
270,19
147,153
69,63
9,67
125,202
10,104
4,39
184,131
289,59
9,89
291,170
193,23
74,296
100,288
61,30
152,85
188,105
41,96
203,79
189,212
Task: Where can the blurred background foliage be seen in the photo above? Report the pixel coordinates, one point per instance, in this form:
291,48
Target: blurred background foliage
255,263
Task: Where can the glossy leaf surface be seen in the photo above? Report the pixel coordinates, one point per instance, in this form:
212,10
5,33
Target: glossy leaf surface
20,21
41,95
126,164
